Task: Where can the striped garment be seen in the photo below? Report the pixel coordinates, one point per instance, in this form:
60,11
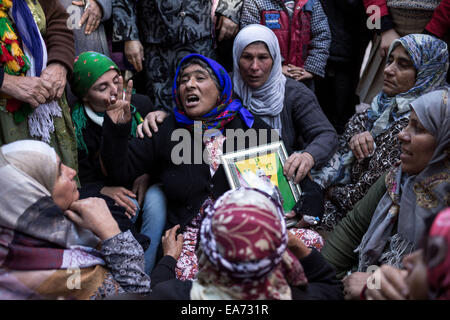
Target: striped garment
428,5
320,31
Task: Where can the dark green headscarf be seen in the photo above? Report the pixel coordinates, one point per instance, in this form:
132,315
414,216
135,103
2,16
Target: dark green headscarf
87,68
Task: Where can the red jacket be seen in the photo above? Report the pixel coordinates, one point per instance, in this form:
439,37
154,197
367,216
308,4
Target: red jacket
292,34
439,25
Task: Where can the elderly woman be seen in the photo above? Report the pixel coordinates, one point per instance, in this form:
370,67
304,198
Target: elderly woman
389,221
51,238
285,104
95,81
369,146
32,81
185,152
247,253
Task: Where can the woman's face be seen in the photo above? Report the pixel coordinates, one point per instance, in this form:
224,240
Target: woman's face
255,65
65,190
416,279
100,93
198,91
399,73
417,145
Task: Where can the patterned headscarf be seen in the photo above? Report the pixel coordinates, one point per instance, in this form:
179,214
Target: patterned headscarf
87,68
430,58
242,253
268,100
439,264
39,245
226,108
412,199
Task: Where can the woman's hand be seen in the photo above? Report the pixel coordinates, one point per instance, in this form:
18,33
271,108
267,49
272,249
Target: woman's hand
134,52
301,223
228,29
94,214
151,121
92,15
296,73
362,145
31,90
120,196
387,38
118,109
56,74
140,187
353,285
297,247
392,285
172,243
297,166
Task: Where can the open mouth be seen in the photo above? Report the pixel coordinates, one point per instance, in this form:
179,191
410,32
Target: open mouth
192,100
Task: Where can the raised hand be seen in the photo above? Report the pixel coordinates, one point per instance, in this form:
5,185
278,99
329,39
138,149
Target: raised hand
118,109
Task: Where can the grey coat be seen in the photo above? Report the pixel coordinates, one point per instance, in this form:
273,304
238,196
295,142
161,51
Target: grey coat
305,126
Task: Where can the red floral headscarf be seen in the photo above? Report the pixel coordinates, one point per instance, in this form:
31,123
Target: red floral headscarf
243,249
438,245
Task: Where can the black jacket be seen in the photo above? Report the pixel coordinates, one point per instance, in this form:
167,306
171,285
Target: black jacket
186,185
89,170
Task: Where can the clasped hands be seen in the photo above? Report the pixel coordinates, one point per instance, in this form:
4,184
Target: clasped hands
48,86
296,73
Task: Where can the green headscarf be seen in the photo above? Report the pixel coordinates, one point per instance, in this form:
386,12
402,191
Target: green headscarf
87,68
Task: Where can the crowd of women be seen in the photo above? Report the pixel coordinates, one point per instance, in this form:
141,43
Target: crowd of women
108,198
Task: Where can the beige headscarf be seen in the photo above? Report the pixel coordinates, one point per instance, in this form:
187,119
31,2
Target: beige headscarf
28,171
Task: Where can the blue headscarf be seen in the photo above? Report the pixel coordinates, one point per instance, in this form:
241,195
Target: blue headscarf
226,108
430,58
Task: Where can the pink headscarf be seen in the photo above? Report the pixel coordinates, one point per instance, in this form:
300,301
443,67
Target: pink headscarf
243,249
439,264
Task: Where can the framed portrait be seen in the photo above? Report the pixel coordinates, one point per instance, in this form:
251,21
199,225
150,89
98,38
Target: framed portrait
267,162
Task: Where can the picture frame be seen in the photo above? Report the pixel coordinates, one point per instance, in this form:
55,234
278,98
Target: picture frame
266,160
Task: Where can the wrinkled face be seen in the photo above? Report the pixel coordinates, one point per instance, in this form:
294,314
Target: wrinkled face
65,190
100,93
417,144
417,275
399,73
255,65
198,92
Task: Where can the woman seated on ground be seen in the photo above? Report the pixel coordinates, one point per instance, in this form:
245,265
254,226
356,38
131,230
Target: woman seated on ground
285,104
416,64
51,238
95,83
389,221
427,270
243,236
189,168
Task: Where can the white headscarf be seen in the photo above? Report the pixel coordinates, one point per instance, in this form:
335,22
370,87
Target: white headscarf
268,100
